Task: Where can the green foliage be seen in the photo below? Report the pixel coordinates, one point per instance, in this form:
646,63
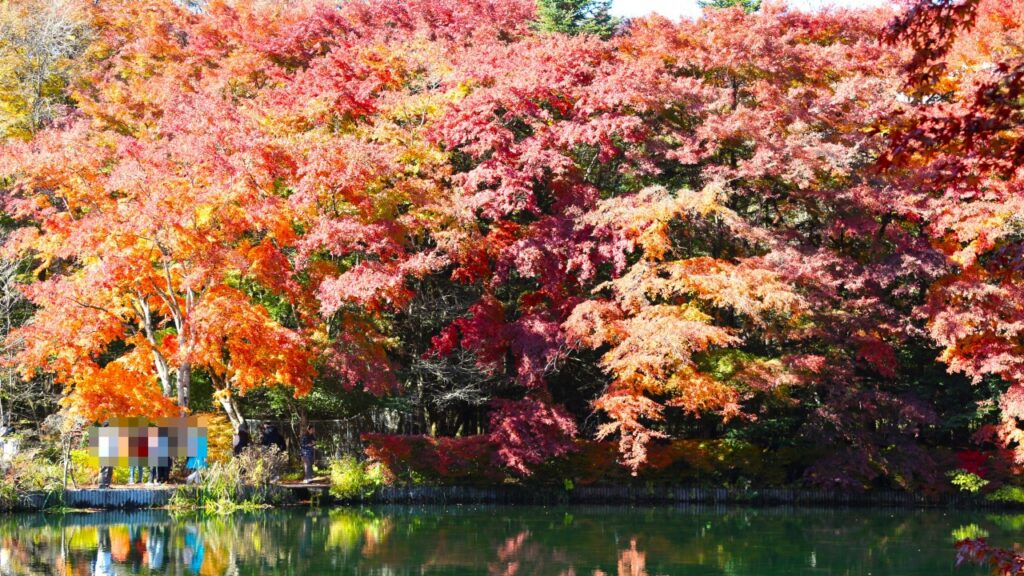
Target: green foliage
1008,495
966,481
247,481
31,471
352,479
747,5
28,471
1007,522
8,495
576,17
968,531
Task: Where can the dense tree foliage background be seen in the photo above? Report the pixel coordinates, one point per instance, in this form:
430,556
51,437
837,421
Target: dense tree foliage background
529,235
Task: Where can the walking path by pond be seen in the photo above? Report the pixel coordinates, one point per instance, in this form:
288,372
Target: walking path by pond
464,540
122,497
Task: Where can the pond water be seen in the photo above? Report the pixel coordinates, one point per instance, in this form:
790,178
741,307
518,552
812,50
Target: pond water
520,541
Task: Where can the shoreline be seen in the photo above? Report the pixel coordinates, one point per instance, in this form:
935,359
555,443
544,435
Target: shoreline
122,498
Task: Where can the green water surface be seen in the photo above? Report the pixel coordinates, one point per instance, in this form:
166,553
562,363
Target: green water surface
508,541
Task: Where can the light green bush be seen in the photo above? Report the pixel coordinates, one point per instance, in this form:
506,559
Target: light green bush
28,471
247,481
352,479
1007,494
8,494
966,481
968,532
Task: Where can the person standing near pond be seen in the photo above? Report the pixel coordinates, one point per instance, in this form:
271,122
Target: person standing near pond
104,565
194,550
138,451
196,464
160,437
156,544
271,437
136,472
137,550
107,448
196,461
152,447
307,447
242,439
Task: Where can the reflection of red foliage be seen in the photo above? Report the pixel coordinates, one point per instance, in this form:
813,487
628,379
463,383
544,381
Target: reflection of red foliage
632,562
973,461
1001,562
510,555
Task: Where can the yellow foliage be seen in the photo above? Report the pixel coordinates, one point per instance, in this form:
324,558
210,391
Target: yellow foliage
220,434
85,538
38,44
204,214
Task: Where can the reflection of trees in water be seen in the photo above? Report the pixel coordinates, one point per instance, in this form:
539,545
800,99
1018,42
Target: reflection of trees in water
91,544
497,541
632,562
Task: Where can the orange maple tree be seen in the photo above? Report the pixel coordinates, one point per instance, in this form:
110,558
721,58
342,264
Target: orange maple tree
153,222
620,234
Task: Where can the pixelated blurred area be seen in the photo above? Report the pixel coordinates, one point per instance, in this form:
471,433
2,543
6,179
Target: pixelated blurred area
149,442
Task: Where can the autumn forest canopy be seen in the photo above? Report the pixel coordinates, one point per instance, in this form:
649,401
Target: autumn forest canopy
535,236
